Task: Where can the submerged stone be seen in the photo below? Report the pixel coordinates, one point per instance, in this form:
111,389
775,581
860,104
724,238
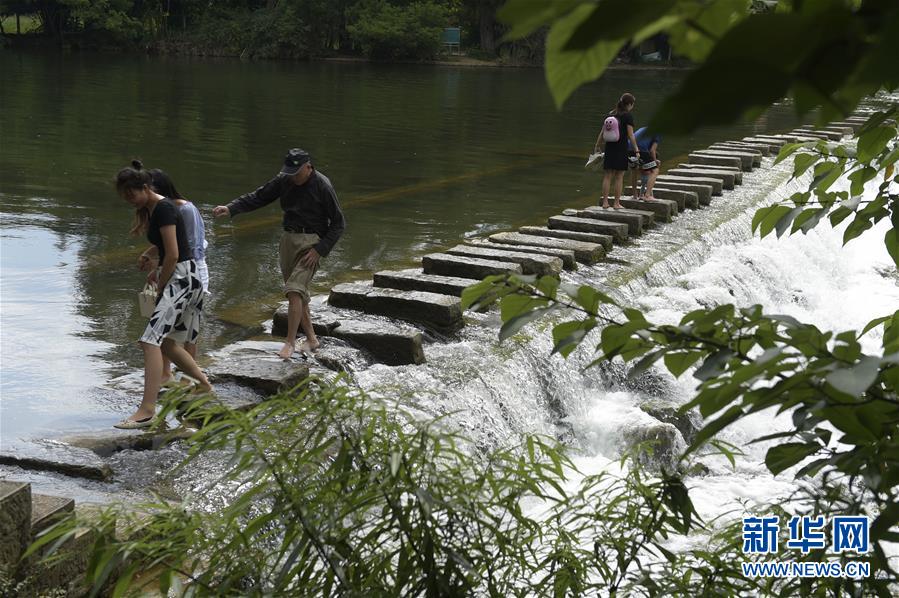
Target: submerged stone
51,455
256,364
688,424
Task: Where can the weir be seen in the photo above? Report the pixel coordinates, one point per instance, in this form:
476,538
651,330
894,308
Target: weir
405,318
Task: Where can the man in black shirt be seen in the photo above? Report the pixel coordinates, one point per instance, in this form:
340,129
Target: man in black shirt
313,223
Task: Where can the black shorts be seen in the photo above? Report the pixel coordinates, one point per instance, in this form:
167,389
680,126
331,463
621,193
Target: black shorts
647,164
615,157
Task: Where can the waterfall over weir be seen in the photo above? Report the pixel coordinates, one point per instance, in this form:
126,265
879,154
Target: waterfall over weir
496,390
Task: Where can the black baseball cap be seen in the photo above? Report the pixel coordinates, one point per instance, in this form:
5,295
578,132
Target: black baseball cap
294,160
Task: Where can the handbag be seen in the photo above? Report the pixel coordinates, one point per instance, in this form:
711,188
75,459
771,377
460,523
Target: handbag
594,161
146,300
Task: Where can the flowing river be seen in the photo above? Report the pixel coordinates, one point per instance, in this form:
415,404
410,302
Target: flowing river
421,157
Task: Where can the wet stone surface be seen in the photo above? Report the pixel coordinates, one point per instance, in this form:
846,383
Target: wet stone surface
52,455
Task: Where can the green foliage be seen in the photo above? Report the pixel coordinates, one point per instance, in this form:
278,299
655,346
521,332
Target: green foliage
384,30
340,493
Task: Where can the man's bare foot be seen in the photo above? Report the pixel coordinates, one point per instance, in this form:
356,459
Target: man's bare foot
286,351
617,206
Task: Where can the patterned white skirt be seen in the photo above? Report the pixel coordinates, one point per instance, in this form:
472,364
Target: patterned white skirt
179,311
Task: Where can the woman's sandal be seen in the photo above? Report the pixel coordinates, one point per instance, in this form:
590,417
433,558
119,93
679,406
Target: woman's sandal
134,424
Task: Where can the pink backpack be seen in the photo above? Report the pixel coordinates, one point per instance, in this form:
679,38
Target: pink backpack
610,129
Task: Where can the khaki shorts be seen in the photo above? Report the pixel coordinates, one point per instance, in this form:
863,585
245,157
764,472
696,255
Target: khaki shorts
296,276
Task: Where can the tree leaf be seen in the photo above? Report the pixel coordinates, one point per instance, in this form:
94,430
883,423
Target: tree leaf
526,16
891,240
615,20
568,70
678,363
766,218
857,379
873,141
783,456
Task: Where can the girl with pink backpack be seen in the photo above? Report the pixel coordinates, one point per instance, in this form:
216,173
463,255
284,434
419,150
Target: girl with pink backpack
617,129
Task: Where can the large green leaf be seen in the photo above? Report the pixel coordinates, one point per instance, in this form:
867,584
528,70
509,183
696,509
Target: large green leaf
568,70
702,24
615,20
783,456
526,16
871,143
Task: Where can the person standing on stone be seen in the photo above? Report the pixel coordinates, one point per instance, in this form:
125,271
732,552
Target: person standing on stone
648,158
194,227
176,317
313,223
615,161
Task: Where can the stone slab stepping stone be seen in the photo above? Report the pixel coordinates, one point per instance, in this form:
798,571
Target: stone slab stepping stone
774,145
841,130
413,279
256,364
569,221
636,220
390,344
15,516
715,183
684,199
664,209
728,147
697,158
566,255
633,224
849,127
442,313
107,442
444,264
544,231
531,263
747,160
725,179
47,510
586,253
703,192
761,147
822,133
387,342
50,455
736,172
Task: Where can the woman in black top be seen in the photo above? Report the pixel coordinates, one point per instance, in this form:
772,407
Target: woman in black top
179,304
615,162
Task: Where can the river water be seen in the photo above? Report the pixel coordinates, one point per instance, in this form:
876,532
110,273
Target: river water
421,157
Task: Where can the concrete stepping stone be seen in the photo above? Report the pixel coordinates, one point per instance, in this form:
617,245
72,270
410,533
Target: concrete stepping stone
586,253
742,149
684,199
702,191
387,342
842,131
566,255
717,160
257,365
724,180
15,522
747,160
635,221
107,442
774,145
821,133
466,267
569,221
664,209
544,231
763,148
441,313
47,510
49,455
531,263
414,279
390,344
850,127
716,184
736,172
